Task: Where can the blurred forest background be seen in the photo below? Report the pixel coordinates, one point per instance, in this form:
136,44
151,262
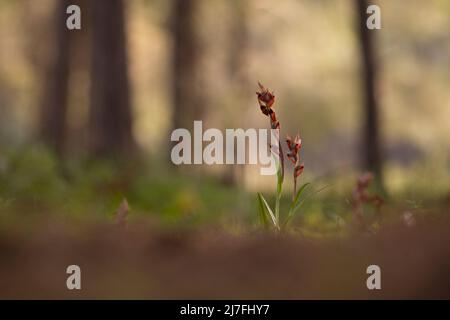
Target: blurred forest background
86,115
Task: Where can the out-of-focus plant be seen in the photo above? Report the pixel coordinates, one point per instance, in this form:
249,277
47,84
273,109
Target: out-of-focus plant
362,196
269,217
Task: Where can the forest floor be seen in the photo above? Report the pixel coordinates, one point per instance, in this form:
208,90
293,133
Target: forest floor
142,261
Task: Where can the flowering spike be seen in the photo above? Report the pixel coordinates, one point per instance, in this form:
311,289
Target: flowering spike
266,99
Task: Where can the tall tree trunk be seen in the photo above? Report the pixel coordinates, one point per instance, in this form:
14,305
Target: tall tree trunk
54,103
110,112
371,134
80,55
238,75
188,104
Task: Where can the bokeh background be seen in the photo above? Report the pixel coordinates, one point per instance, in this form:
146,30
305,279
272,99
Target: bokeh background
86,115
85,122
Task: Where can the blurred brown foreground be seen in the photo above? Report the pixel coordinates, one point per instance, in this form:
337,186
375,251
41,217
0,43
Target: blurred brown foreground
139,263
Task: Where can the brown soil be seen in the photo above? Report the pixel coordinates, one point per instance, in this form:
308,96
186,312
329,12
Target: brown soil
140,263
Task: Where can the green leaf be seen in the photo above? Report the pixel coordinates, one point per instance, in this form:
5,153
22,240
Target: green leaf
262,213
267,209
308,195
295,204
299,193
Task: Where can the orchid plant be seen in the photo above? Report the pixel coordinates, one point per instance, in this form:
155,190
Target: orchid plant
269,217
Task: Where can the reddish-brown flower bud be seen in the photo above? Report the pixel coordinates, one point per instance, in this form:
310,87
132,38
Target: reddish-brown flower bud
266,99
292,157
294,146
298,170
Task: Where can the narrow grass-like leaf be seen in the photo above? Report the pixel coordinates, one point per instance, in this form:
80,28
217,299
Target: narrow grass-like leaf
300,202
307,196
294,205
299,193
262,212
268,210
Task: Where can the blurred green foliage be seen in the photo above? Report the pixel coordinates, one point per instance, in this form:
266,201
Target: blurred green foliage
35,184
34,181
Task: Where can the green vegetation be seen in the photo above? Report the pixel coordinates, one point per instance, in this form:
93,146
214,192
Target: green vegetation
35,185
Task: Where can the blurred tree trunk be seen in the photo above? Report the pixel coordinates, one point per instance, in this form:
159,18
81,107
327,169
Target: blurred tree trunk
238,75
371,134
188,103
78,112
54,102
110,112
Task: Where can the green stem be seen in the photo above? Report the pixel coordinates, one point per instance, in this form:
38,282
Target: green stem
295,189
280,178
277,210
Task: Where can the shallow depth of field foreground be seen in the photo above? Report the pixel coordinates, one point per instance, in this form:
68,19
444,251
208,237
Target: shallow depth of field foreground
144,263
103,165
